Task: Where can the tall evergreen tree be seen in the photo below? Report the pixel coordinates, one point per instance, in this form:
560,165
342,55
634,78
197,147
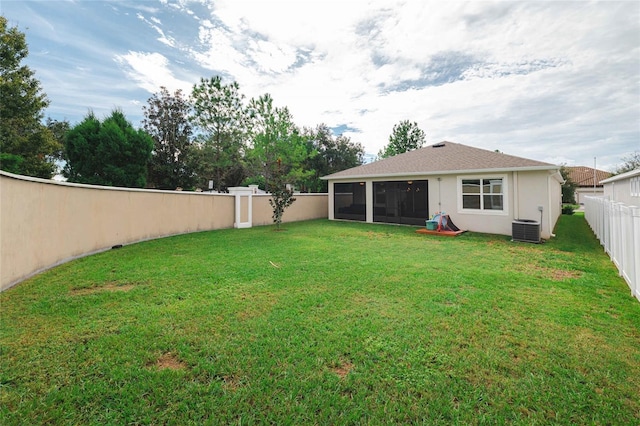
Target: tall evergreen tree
406,136
277,145
220,120
110,153
27,146
167,122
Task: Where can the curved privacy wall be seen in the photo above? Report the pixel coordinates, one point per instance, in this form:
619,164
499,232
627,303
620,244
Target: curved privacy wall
44,223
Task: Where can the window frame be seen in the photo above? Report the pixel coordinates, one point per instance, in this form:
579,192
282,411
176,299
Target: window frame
481,194
347,214
635,186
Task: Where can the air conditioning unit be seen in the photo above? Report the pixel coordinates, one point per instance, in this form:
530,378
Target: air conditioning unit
525,230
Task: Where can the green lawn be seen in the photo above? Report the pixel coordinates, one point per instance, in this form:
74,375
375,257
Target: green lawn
326,323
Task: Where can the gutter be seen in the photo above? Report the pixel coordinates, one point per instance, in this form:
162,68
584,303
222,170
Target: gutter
443,172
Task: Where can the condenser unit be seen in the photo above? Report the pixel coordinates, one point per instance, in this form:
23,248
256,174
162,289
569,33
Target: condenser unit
525,230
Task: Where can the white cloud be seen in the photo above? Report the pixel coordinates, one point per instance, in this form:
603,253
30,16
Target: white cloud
155,23
150,71
270,58
549,80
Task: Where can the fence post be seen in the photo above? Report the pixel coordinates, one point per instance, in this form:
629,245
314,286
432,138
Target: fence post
635,255
626,244
617,226
243,210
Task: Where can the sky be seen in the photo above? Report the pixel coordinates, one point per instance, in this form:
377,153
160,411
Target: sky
547,80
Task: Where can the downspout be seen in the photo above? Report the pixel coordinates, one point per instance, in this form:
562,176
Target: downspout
439,198
549,213
516,201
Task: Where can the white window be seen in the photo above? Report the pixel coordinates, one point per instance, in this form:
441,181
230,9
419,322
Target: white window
486,195
635,186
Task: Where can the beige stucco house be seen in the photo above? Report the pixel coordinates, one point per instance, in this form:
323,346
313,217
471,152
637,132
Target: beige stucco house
587,182
623,188
481,190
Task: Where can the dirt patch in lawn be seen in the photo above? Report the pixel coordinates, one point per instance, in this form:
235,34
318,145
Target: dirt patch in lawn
109,287
343,369
169,361
543,272
561,275
231,382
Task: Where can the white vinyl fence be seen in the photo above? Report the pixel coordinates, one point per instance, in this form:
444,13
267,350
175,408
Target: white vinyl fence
617,226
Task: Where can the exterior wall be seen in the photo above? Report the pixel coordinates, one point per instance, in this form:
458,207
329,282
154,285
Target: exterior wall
490,222
524,193
555,199
306,207
44,223
582,193
620,191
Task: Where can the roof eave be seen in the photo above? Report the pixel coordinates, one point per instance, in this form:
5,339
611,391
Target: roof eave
628,174
444,172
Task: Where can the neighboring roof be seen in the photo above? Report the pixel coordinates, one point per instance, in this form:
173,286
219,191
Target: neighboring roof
442,158
583,176
627,175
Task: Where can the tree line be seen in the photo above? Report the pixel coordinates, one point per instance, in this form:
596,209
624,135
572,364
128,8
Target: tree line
209,139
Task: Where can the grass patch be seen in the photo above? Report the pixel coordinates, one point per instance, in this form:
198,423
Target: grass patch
327,323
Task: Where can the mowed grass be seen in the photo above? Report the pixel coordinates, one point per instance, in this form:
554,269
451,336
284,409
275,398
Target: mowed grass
326,323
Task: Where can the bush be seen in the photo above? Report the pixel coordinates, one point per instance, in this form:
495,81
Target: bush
568,209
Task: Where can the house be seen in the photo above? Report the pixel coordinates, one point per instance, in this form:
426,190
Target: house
587,181
481,190
623,188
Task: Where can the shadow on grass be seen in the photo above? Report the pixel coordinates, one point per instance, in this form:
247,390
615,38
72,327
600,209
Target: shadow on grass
573,234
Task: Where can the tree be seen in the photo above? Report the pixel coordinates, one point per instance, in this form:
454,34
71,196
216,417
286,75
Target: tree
334,154
277,145
406,136
631,162
281,195
110,153
568,187
277,152
220,119
59,130
27,147
167,122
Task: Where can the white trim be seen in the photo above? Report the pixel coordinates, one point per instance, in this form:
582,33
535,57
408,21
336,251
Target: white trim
102,187
438,173
629,174
368,196
330,201
635,186
505,195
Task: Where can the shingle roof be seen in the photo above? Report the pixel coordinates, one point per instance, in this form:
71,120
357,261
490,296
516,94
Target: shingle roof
583,176
444,157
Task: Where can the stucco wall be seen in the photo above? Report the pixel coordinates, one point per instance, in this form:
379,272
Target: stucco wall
620,191
306,207
525,191
44,223
583,192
